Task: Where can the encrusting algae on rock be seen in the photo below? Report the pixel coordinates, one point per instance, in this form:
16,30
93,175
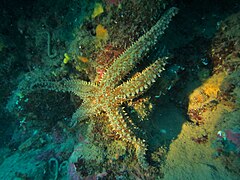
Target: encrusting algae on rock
83,59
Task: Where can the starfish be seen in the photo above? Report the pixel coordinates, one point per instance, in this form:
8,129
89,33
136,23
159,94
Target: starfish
109,95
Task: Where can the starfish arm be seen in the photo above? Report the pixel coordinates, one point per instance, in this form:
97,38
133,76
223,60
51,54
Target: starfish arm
124,63
119,125
82,113
140,82
79,87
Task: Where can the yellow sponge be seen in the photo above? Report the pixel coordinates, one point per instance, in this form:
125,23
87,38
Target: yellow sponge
98,9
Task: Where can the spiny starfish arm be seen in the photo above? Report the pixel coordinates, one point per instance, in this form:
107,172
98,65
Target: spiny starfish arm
119,125
82,113
141,152
127,61
79,87
140,82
